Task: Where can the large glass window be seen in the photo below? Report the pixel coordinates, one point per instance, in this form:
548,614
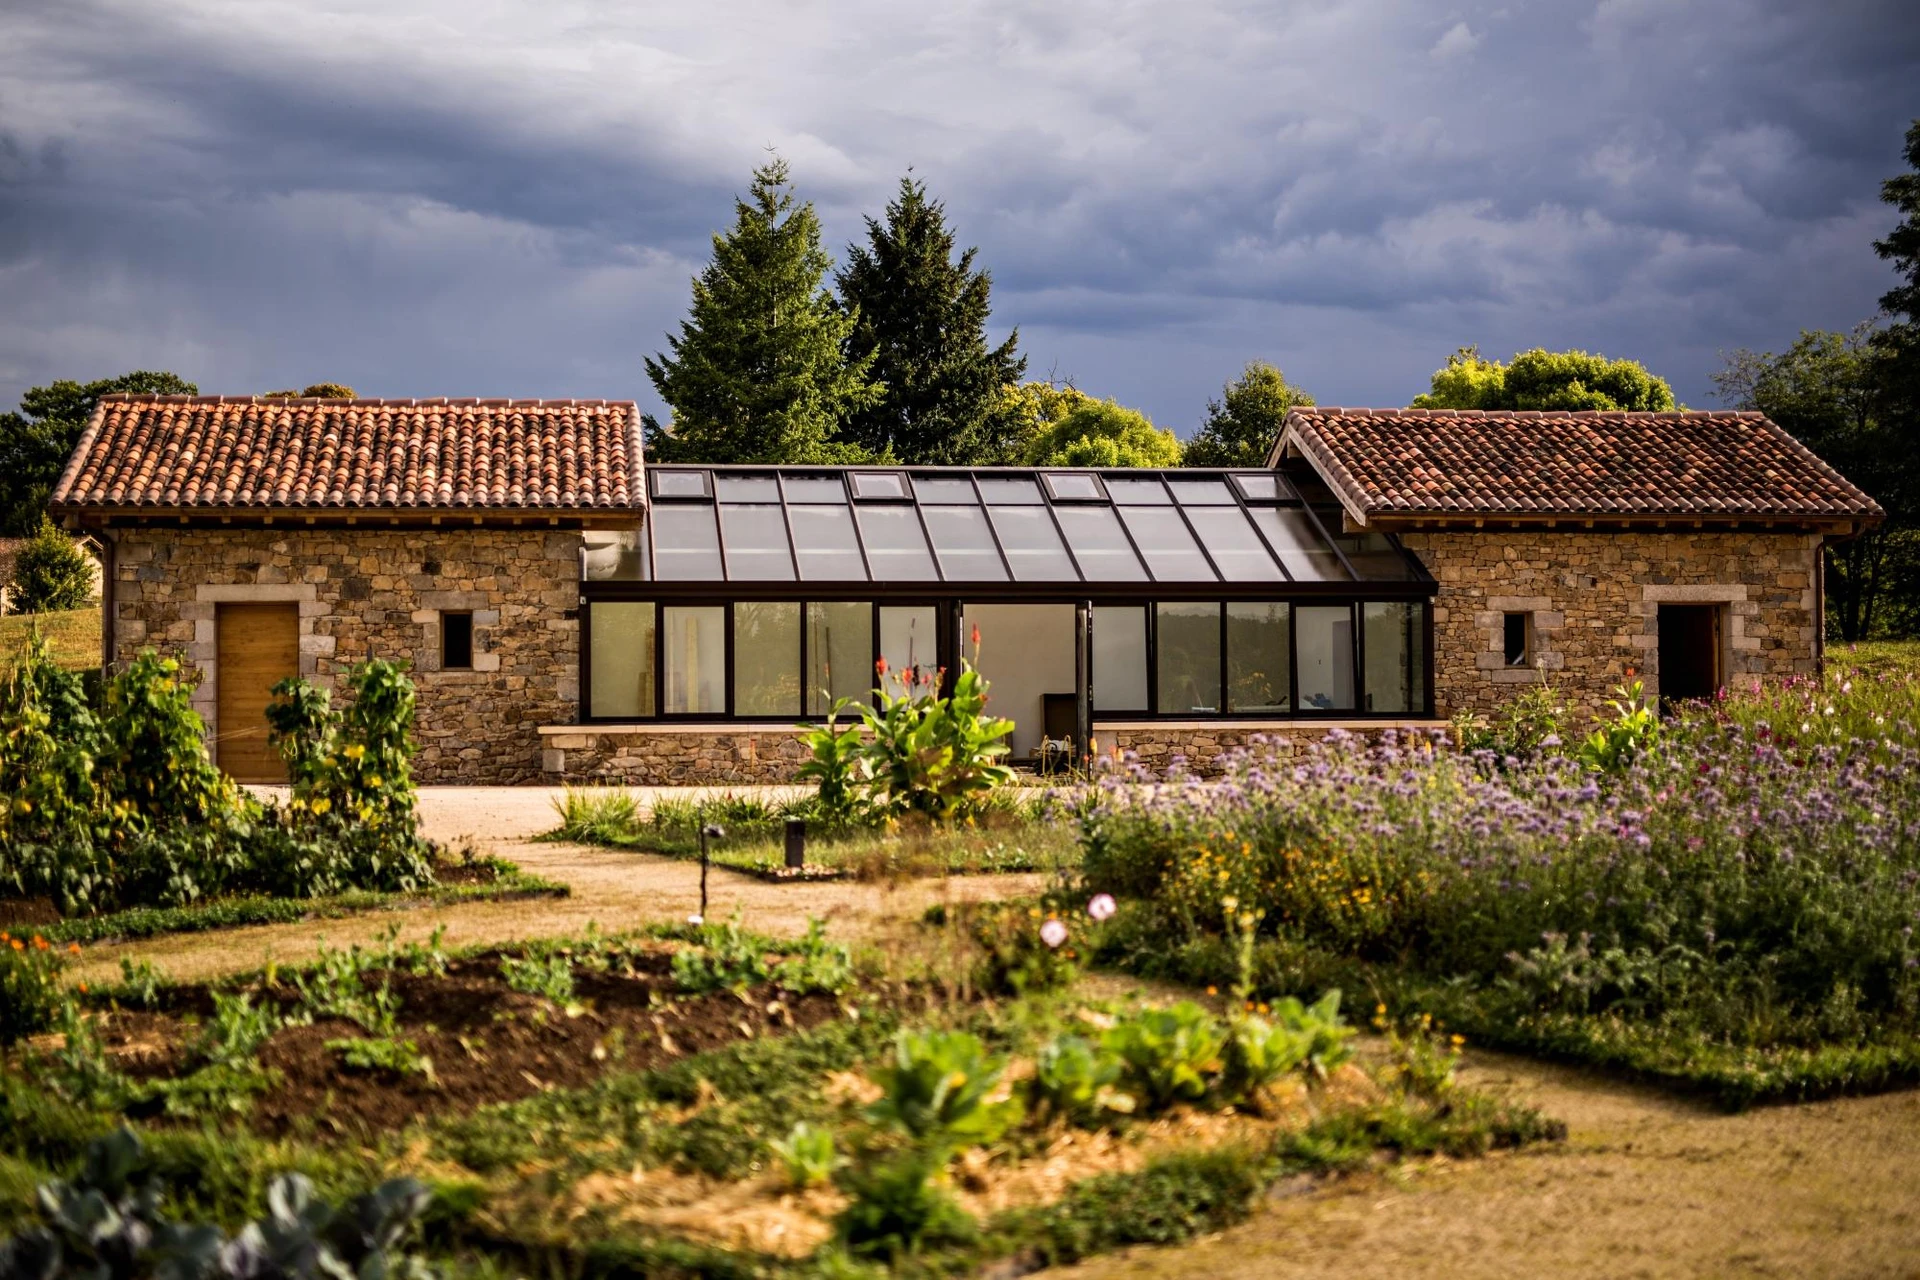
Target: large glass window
896,549
1235,547
909,637
1395,644
686,545
620,636
766,658
1187,666
1119,658
826,545
839,653
1259,653
964,544
1163,539
1323,637
755,538
612,555
1032,544
696,659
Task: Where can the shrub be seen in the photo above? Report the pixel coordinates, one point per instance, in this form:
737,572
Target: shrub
937,1087
50,573
931,755
597,815
1018,957
29,986
1168,1055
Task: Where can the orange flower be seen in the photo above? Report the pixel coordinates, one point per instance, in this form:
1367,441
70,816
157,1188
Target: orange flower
73,948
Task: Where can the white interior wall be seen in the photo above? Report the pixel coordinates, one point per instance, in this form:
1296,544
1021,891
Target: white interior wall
1026,650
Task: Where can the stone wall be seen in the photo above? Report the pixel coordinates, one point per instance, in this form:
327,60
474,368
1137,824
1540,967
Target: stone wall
661,756
1594,602
381,591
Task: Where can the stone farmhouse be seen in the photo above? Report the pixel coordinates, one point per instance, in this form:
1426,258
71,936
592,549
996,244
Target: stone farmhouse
570,613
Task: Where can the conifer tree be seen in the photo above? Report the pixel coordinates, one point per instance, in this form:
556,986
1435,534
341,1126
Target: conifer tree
923,316
759,370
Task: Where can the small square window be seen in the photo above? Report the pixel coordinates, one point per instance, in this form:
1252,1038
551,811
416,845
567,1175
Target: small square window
456,642
1075,486
1259,486
1517,635
687,486
746,488
879,486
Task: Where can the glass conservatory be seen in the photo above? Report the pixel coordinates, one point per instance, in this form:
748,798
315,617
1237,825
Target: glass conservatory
770,593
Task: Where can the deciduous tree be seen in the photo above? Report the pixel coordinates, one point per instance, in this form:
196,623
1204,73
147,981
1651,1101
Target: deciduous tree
1541,379
759,371
922,315
50,572
1244,422
36,442
1102,433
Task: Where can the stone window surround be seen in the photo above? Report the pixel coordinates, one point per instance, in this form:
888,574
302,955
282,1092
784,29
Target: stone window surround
1545,623
485,615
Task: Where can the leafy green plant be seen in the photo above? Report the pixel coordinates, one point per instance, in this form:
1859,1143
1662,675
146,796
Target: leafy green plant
932,755
1633,731
937,1088
836,763
807,1155
727,958
140,983
816,964
1168,1055
597,815
1527,725
1073,1080
29,986
897,1208
336,988
237,1030
50,572
382,1053
428,959
550,976
107,1224
1017,956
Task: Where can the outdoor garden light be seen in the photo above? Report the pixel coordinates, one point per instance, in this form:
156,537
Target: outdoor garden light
796,842
712,831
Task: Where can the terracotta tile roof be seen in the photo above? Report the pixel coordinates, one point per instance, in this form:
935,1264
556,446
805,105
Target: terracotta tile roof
176,452
1410,463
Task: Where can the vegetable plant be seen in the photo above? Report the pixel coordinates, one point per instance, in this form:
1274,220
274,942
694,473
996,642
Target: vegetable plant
1168,1055
937,1088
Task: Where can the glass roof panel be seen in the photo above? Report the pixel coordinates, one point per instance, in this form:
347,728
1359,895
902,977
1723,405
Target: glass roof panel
1033,547
686,544
815,488
730,488
1100,544
680,484
1260,486
1235,547
824,541
1075,486
896,549
754,538
1171,552
879,486
1202,493
944,489
1137,490
1374,557
1305,557
1009,490
964,544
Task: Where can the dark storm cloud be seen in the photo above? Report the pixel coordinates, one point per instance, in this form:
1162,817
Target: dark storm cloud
440,198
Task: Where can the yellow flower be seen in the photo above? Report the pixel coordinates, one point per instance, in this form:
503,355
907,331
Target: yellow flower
322,804
355,752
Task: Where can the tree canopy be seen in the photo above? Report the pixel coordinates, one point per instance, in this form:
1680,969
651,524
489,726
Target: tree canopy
1101,433
36,442
50,573
1541,379
318,390
1829,391
759,371
921,315
1244,422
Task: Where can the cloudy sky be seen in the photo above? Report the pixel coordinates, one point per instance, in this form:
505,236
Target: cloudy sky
507,197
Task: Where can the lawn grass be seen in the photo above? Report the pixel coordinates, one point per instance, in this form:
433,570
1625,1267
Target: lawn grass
509,883
1876,657
74,635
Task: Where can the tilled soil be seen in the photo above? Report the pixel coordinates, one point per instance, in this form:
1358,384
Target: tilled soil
487,1042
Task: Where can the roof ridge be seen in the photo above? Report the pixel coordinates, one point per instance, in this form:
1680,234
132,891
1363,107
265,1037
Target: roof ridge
389,402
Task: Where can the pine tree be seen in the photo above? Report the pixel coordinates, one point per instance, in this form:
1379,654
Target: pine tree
1243,424
923,314
759,371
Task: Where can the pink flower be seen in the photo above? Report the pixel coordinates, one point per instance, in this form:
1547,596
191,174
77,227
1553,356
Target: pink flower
1102,906
1053,933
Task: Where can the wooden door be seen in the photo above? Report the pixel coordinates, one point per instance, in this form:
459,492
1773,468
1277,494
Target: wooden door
258,646
1689,651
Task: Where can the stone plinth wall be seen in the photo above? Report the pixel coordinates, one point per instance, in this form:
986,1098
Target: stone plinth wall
381,591
654,755
1594,602
657,755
